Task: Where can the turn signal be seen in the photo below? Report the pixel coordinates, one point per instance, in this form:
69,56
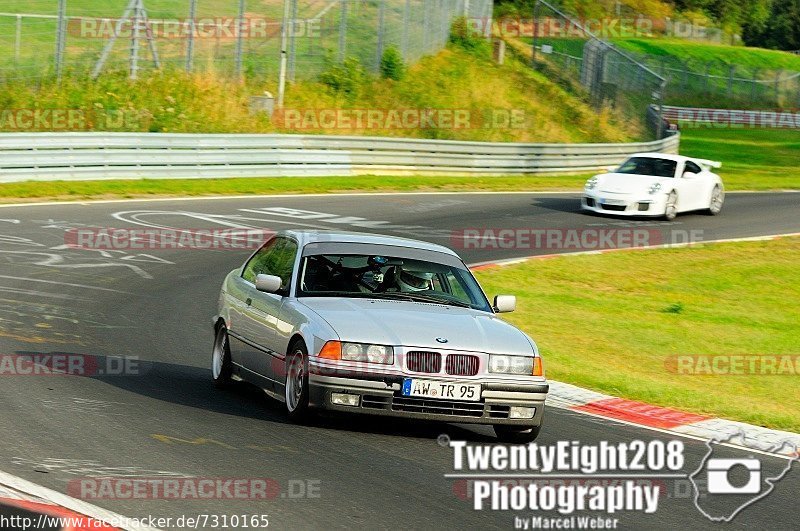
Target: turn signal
538,368
332,350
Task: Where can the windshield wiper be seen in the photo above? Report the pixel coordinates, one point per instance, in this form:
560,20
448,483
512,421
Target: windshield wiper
422,298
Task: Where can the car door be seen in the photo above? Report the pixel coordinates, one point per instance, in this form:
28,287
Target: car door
692,184
263,350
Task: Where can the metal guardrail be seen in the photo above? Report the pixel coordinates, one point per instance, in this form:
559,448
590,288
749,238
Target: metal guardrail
95,156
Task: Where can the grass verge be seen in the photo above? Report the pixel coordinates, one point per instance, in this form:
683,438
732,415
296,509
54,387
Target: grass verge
150,188
752,159
613,322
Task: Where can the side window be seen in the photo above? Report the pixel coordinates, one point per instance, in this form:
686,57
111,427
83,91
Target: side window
275,258
691,167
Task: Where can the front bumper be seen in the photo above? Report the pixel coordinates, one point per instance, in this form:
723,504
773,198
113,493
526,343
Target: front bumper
624,204
380,395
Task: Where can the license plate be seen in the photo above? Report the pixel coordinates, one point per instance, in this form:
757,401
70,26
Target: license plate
612,202
416,387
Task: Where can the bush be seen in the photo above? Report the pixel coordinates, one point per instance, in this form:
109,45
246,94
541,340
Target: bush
465,36
346,78
392,65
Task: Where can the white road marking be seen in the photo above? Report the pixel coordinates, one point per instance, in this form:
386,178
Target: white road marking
73,504
85,286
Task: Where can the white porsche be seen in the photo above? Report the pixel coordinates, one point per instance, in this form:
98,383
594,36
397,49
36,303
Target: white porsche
656,184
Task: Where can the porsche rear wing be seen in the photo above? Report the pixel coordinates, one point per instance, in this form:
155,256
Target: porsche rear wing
708,163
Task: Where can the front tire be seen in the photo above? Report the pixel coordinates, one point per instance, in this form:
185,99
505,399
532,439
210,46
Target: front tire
717,200
671,210
221,364
296,384
516,434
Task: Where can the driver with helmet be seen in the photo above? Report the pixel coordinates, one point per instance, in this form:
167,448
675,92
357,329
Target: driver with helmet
410,281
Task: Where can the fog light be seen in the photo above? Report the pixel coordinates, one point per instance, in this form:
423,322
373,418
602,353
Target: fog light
519,412
342,399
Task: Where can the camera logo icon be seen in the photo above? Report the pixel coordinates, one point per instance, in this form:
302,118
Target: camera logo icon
719,471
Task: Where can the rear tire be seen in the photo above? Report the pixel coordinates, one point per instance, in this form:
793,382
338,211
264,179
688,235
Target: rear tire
671,210
516,434
296,384
221,364
717,200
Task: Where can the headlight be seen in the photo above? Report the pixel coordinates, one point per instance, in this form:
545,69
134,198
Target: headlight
522,365
655,188
591,183
367,353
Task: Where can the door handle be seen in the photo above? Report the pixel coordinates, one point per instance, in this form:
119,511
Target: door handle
249,302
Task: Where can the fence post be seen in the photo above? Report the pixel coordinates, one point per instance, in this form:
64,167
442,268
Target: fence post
706,77
284,53
134,58
240,39
536,9
731,72
18,39
343,32
60,38
293,41
381,29
406,22
778,87
190,41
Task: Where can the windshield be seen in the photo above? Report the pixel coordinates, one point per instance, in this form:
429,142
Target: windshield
388,277
648,166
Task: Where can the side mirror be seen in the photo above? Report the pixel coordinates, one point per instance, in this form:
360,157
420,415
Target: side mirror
505,303
268,283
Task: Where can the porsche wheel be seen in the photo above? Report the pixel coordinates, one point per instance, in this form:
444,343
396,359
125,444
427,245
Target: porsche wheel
671,210
717,199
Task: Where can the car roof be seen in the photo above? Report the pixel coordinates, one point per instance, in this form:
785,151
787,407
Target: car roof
665,156
306,237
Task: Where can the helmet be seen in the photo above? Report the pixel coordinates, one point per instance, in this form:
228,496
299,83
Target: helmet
414,280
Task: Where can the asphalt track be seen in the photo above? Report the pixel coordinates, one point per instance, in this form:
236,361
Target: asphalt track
168,421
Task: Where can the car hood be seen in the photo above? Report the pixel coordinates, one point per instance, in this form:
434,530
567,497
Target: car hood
628,183
413,324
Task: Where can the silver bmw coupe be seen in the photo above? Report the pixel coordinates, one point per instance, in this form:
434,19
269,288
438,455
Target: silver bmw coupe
376,325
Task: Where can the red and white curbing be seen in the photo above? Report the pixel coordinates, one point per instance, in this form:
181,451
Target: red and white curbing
51,509
567,396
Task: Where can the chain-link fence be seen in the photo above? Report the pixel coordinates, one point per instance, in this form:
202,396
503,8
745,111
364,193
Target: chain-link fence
720,84
46,38
614,80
